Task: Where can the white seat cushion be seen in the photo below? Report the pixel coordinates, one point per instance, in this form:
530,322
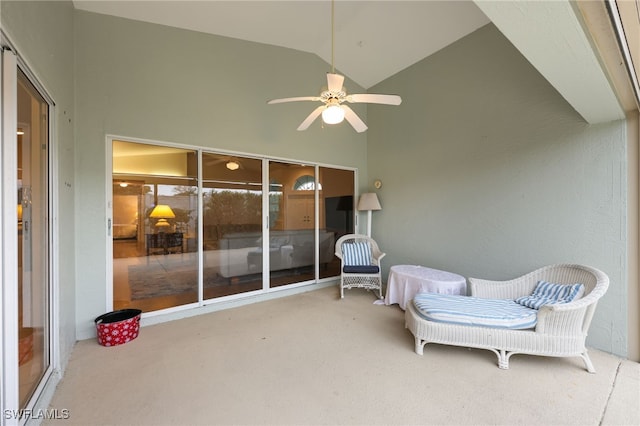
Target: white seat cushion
474,311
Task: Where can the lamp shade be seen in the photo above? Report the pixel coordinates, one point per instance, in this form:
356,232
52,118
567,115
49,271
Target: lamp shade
369,201
162,211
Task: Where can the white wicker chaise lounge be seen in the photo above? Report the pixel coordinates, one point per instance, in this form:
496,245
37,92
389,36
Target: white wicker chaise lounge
560,331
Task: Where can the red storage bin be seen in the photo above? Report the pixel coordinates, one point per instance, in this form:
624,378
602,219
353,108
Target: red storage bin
118,327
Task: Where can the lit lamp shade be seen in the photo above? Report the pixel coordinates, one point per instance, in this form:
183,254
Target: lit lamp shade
162,211
369,201
19,212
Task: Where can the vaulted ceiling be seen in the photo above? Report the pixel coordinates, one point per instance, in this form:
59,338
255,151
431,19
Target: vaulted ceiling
374,39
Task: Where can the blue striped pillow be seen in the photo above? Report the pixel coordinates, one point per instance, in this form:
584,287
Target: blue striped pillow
356,254
547,293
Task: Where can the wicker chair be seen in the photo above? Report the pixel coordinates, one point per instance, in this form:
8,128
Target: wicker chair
366,275
561,329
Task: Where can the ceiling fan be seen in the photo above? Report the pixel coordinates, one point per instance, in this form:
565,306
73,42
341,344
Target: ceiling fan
334,110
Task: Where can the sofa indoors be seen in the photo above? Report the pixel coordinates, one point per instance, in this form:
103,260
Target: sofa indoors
288,249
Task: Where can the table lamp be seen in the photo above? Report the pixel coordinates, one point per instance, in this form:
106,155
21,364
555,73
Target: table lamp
162,212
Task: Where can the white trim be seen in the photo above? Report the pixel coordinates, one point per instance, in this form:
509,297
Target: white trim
200,232
109,224
614,13
9,388
266,230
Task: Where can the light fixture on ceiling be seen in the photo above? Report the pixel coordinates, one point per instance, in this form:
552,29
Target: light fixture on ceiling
333,114
20,131
232,165
334,110
123,184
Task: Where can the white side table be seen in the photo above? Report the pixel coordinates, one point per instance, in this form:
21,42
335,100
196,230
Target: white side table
405,281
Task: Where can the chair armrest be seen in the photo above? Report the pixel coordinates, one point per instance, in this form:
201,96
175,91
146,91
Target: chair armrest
377,258
567,319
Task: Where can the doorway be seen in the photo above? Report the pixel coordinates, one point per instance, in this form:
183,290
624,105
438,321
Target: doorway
26,299
33,238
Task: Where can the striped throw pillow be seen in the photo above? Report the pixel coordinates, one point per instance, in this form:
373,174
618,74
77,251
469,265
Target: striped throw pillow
356,254
547,293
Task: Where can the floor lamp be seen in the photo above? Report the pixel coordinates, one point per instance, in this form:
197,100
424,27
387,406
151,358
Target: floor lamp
369,201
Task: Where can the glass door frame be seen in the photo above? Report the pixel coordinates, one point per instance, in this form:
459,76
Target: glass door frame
266,184
9,384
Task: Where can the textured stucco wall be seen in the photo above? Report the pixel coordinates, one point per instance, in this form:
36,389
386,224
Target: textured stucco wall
42,32
490,173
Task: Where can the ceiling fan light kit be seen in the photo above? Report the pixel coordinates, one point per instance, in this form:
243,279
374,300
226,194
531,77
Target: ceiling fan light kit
333,114
333,110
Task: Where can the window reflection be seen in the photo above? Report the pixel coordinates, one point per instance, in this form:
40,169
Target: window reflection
232,224
156,225
155,205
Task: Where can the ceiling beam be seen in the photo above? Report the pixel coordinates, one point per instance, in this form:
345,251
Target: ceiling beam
550,35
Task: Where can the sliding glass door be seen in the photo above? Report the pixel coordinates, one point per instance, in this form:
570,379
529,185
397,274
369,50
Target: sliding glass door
292,236
232,224
33,238
337,206
26,231
154,226
190,226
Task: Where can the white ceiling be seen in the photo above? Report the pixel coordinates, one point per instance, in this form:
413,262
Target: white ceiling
373,39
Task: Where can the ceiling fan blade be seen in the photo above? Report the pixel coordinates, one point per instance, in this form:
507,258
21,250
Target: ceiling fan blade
299,98
334,82
311,118
372,98
353,119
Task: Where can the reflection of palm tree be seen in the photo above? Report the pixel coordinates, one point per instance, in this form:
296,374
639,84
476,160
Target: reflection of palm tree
182,219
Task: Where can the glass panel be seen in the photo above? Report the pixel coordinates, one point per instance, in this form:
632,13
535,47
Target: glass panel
292,217
232,224
338,200
33,238
155,206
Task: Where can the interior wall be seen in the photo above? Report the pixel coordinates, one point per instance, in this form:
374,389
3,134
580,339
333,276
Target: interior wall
153,82
42,32
489,173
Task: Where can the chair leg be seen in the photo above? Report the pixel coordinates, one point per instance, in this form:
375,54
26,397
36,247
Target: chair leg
587,362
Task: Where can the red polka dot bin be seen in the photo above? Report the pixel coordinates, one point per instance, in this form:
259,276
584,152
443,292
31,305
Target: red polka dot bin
118,327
